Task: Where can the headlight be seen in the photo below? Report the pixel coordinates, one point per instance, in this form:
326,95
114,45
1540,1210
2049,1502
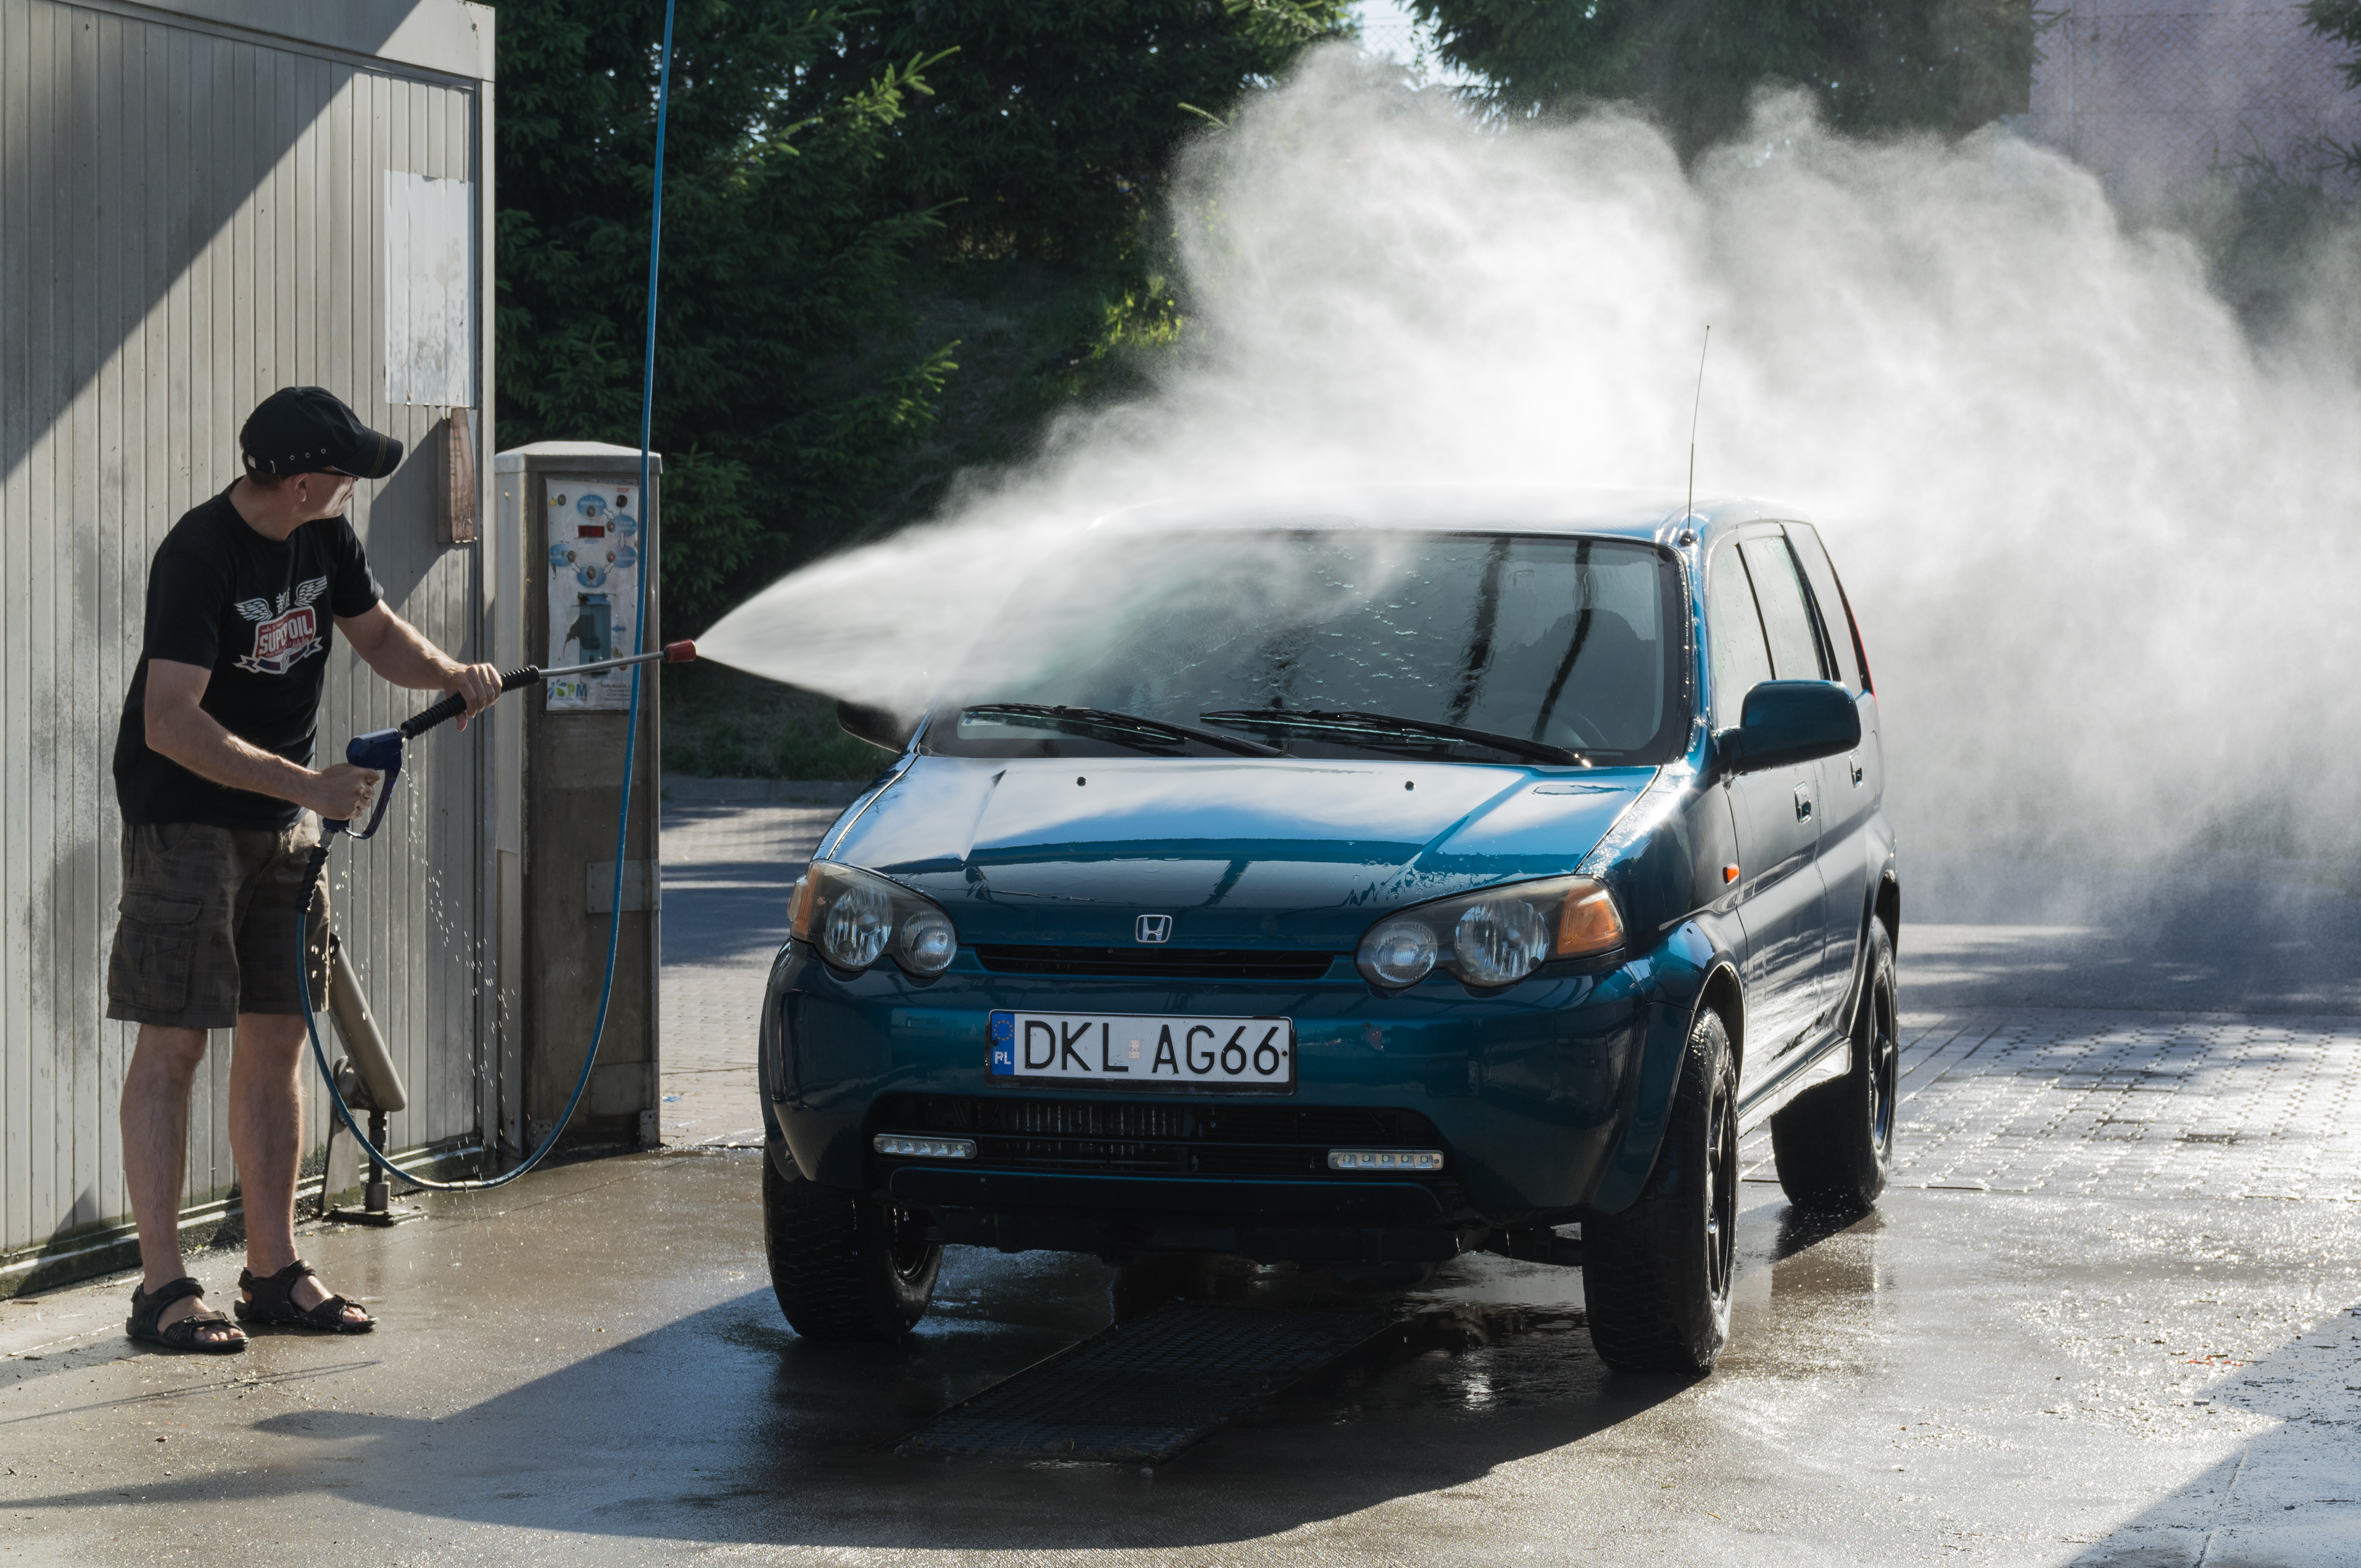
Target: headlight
855,917
1495,937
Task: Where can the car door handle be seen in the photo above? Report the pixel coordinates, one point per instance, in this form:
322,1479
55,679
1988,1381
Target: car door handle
1803,803
1854,761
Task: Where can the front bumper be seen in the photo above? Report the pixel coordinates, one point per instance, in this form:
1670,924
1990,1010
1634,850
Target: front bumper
1536,1093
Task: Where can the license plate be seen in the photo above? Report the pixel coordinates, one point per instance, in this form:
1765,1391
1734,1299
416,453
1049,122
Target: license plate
1142,1050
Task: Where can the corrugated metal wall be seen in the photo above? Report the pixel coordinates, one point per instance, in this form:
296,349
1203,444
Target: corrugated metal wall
189,218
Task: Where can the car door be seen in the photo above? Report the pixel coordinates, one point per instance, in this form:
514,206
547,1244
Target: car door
1754,616
1850,786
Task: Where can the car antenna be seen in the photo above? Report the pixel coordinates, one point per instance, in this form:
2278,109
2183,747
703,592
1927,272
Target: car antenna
1691,509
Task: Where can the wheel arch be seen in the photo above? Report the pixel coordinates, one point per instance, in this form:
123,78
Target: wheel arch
1696,969
1724,995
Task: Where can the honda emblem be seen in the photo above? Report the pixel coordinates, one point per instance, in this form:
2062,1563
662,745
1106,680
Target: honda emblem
1154,928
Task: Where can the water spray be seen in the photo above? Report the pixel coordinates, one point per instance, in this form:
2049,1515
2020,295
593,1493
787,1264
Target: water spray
1689,508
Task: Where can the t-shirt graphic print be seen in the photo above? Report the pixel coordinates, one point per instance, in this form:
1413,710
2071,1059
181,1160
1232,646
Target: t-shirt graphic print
284,634
259,614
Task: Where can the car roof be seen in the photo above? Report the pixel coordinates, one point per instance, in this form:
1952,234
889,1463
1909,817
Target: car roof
1657,517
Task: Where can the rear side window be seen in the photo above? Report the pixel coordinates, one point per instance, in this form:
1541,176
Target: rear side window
1786,615
1740,660
1836,615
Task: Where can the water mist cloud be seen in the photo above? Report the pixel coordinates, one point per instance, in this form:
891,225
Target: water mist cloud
2101,547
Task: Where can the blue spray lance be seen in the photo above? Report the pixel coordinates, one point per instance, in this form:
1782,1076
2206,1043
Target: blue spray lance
381,750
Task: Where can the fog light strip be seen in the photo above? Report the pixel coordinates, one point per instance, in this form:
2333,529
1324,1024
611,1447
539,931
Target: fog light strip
906,1145
1385,1159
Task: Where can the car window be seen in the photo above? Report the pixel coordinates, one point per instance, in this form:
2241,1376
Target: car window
1835,616
1740,660
1786,618
1573,643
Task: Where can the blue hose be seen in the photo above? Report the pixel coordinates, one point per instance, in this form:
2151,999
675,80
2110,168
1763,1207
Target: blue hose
630,749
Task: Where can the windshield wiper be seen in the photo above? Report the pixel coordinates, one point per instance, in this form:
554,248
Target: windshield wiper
1116,726
1314,719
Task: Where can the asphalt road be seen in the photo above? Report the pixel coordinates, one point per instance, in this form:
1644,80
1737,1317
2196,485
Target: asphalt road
2111,1313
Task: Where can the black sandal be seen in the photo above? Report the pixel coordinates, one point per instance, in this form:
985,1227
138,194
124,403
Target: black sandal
274,1302
184,1334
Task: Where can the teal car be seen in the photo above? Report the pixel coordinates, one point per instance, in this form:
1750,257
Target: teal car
1360,881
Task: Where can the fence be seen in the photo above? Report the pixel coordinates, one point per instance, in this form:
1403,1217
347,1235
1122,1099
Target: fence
2154,95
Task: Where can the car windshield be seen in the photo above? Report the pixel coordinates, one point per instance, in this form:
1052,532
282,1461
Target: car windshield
1333,642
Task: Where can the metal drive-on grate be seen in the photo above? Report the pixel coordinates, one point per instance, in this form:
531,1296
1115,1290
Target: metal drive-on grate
1145,1391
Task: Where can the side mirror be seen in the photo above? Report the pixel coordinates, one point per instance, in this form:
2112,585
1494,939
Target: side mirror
1791,721
885,730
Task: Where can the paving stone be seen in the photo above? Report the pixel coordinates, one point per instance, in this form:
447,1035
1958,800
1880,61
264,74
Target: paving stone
2102,1103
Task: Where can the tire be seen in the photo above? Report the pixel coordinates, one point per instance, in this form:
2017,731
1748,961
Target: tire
1834,1143
1656,1278
845,1266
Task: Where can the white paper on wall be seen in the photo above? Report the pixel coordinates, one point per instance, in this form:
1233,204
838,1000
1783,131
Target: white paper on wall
429,317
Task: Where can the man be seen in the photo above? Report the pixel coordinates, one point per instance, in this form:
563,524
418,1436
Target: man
221,810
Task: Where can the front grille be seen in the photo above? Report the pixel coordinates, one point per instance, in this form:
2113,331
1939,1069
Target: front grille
1177,963
1154,1140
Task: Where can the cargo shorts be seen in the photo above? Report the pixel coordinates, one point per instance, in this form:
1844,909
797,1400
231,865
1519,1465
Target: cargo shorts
208,924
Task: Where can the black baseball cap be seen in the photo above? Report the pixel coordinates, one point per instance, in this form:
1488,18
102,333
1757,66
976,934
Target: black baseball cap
310,430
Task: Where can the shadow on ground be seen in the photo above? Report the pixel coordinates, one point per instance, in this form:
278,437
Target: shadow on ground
725,1427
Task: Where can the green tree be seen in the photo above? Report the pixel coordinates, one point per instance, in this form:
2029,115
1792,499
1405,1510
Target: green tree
1042,150
2341,20
1874,65
1049,130
782,389
895,239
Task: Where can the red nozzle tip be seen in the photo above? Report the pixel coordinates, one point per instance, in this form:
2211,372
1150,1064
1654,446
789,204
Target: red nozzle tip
680,652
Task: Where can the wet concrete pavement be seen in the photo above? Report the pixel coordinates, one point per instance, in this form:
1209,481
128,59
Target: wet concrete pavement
2108,1317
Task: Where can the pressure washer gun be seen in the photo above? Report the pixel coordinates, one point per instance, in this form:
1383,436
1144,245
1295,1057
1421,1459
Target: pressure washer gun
381,750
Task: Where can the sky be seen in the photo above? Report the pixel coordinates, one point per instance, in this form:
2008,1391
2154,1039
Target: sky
1387,28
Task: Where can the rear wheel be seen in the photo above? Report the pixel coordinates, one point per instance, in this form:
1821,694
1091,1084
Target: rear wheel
1656,1277
1834,1143
844,1266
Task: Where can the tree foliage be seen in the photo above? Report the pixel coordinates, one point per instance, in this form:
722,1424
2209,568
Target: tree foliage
773,408
1049,129
2341,20
1874,65
875,216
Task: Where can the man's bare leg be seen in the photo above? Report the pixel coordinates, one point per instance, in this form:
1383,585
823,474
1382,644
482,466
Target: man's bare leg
155,1118
265,1134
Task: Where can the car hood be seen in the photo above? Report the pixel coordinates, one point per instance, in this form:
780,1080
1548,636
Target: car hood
1255,853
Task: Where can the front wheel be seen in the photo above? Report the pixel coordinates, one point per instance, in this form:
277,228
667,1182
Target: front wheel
1656,1278
844,1266
1834,1143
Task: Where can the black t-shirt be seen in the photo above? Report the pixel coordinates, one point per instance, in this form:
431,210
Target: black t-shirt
256,613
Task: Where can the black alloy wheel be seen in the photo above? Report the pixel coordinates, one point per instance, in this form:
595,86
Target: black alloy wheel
1656,1278
1834,1143
844,1266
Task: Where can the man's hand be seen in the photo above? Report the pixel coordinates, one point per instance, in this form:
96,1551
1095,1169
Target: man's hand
477,685
342,793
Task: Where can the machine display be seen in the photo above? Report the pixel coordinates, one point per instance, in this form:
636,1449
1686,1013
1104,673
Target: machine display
594,574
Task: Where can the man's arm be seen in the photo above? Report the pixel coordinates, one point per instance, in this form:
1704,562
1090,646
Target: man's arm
394,649
179,729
